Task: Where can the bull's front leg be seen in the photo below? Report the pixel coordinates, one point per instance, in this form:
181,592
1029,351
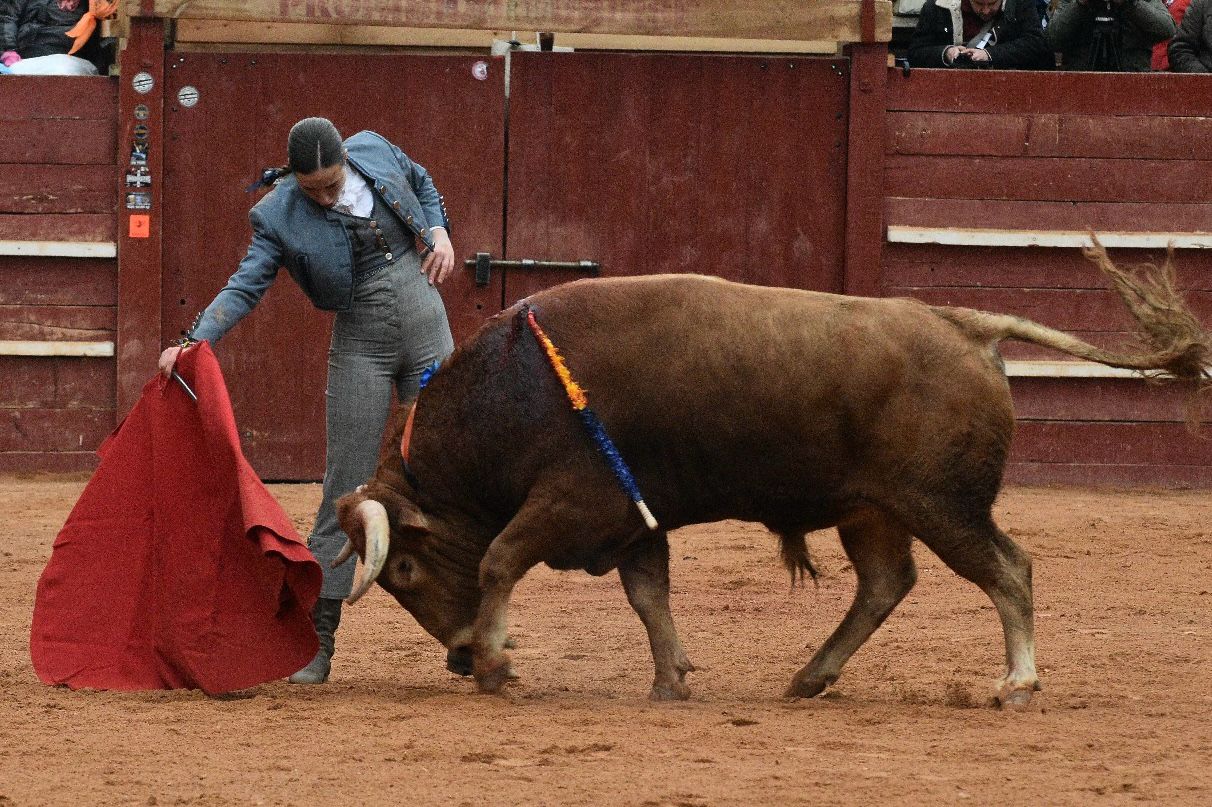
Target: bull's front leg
645,576
511,554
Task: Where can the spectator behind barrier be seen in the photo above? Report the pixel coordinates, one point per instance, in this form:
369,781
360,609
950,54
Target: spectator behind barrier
34,38
1161,51
1191,47
1108,35
1004,34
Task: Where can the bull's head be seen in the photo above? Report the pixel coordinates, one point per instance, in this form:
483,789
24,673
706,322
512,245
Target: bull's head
425,563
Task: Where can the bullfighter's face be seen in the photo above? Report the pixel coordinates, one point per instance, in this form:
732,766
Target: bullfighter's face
424,569
324,185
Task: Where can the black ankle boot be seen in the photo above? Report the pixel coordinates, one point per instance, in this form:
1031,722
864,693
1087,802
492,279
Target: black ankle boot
326,615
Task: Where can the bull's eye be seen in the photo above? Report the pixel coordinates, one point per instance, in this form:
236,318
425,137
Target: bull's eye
404,572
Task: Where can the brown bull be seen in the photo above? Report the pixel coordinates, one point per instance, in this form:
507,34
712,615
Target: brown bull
888,419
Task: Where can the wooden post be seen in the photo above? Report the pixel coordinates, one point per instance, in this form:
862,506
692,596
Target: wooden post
865,168
140,182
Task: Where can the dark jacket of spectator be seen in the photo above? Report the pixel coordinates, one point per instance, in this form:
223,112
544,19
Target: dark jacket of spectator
1139,25
1191,47
39,27
1017,42
1161,51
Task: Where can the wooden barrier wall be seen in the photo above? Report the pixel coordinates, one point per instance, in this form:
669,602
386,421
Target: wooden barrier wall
965,188
58,270
991,180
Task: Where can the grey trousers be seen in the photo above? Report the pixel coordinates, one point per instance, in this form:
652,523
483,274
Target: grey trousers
395,329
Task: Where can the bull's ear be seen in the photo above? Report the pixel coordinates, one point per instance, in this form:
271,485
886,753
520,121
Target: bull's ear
408,515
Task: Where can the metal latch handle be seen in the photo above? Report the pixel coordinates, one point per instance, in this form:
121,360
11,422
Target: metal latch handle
483,263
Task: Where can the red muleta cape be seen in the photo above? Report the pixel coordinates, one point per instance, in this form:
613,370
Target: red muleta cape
176,568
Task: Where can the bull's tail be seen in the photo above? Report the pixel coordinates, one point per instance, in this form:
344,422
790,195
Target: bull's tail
793,547
1172,341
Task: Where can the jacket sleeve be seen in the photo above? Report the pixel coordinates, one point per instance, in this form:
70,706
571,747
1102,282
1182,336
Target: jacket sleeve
1065,24
423,187
8,25
246,287
929,39
1186,44
1151,18
1027,51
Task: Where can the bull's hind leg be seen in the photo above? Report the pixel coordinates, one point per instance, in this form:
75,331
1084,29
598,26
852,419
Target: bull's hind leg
645,576
978,551
878,548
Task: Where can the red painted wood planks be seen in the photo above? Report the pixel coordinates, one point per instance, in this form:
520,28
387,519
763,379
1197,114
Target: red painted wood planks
1061,92
909,266
31,280
1065,309
71,323
139,326
42,189
642,180
1106,443
59,141
865,170
1125,475
87,227
54,429
1159,137
1064,179
55,97
48,462
56,382
1099,399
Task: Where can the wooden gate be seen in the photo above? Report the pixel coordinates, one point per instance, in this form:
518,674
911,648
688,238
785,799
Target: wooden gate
732,166
724,165
445,111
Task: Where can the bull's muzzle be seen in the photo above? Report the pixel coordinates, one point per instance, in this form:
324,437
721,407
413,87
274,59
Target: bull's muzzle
375,527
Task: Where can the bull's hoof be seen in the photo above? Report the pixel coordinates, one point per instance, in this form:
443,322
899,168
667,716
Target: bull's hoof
459,661
492,675
1015,699
1015,696
808,687
669,692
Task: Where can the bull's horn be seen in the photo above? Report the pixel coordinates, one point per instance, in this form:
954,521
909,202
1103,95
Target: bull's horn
374,526
343,555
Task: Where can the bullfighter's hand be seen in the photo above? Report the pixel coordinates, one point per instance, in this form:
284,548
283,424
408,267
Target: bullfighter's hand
440,262
169,358
979,54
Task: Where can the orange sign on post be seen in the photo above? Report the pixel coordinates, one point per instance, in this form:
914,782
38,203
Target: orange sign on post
140,225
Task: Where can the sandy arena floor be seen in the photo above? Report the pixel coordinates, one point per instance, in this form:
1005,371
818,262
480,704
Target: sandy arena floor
1124,619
